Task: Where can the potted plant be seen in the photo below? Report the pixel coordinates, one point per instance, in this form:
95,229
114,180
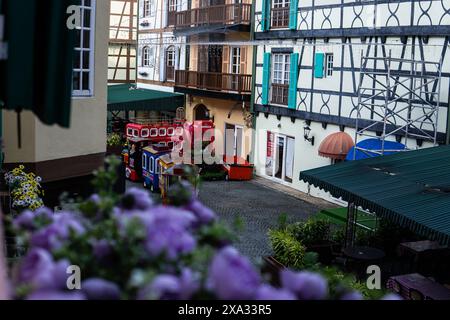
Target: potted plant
315,234
114,144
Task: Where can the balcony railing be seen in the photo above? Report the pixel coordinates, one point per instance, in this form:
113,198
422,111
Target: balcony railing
221,14
228,82
280,93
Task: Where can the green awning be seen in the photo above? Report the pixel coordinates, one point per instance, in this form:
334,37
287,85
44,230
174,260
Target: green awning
410,188
124,97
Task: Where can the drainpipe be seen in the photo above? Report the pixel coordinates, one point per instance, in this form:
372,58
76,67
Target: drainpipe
252,101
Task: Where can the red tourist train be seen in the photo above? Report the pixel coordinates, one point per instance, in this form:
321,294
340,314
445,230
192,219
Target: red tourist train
162,133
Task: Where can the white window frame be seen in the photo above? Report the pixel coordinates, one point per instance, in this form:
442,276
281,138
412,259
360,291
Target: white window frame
146,56
145,133
151,168
329,64
79,48
235,67
282,75
144,161
162,132
153,132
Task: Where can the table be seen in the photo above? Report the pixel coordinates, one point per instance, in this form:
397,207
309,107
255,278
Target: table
364,253
421,250
361,257
429,289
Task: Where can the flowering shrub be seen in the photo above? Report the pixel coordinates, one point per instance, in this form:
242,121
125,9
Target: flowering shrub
25,188
114,139
129,247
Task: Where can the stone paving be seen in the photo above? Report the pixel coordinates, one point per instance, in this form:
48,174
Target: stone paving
257,207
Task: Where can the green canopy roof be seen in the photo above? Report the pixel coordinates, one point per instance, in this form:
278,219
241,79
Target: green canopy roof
125,97
410,188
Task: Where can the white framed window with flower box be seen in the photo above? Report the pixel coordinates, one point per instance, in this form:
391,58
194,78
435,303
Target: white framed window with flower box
83,69
280,78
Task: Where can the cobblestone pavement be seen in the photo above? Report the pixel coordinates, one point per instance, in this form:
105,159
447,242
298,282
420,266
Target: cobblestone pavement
257,206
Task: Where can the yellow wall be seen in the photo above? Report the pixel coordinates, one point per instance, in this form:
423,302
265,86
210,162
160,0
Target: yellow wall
87,132
219,109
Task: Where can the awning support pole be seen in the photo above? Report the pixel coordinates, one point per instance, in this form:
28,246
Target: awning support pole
350,229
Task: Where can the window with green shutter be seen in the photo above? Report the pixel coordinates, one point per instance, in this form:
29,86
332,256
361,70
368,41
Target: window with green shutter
266,78
293,14
293,75
319,64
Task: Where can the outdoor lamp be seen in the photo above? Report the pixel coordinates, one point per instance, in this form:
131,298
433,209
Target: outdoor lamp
307,131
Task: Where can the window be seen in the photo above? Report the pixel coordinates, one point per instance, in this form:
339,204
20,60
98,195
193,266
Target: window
280,78
149,8
162,132
280,13
152,165
173,4
157,167
144,161
83,69
329,60
153,132
170,63
235,67
146,57
145,133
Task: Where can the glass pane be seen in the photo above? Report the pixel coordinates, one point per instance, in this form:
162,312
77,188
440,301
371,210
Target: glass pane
86,38
77,60
76,80
86,59
86,81
279,156
87,18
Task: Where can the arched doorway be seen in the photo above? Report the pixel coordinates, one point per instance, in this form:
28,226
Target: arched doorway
201,112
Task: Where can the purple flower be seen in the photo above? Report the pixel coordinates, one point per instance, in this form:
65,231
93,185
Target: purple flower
52,236
232,276
163,287
99,289
267,292
306,285
101,248
56,295
392,296
203,214
25,220
170,287
168,232
137,199
95,198
40,271
353,295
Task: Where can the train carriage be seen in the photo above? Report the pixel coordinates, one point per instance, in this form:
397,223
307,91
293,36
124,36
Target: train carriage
151,166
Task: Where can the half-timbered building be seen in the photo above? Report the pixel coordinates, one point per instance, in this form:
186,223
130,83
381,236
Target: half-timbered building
368,69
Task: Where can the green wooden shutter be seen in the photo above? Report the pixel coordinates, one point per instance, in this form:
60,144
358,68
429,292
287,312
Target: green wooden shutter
293,9
266,15
293,77
38,72
318,64
266,78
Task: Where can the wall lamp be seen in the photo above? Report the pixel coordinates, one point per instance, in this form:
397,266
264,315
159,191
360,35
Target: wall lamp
307,131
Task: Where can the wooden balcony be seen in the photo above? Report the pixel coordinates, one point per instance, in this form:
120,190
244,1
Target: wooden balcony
223,82
227,14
